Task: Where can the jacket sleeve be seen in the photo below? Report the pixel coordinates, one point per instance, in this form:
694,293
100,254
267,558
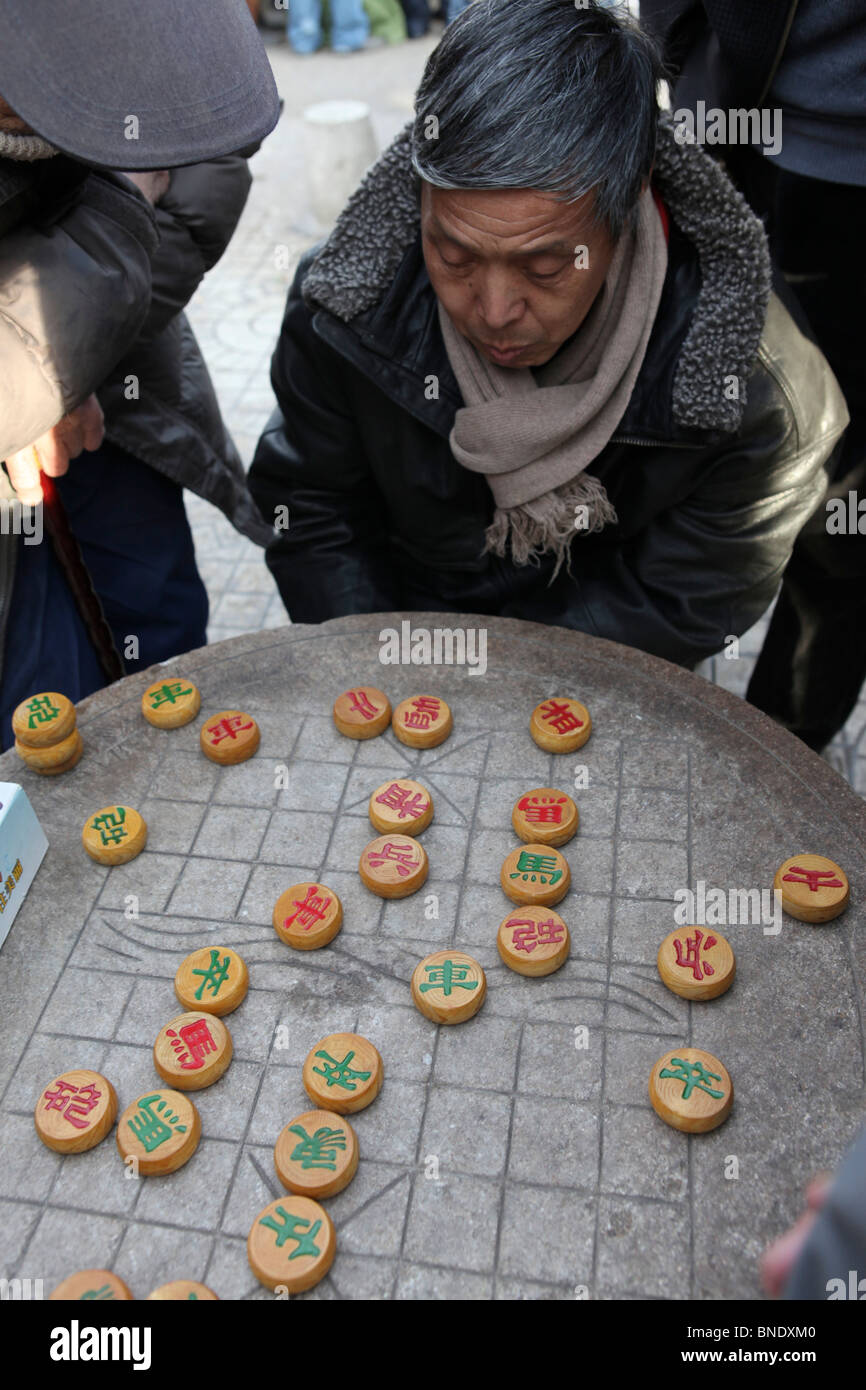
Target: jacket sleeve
196,219
331,559
73,296
707,568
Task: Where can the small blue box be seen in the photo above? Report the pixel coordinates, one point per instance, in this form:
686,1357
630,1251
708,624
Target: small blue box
22,849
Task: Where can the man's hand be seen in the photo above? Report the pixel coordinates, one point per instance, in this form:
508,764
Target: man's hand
82,428
153,183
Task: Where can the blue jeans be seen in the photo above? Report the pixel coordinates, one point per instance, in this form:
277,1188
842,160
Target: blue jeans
350,27
131,526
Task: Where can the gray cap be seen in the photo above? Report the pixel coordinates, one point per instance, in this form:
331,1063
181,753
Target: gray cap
137,84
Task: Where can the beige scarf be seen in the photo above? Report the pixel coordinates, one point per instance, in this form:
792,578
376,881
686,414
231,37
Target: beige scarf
534,434
26,148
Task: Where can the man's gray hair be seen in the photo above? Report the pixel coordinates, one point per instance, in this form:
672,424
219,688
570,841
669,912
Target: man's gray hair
541,94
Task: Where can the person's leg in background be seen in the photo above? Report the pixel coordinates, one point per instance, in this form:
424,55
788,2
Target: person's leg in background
46,646
452,8
304,25
135,540
350,25
813,662
417,14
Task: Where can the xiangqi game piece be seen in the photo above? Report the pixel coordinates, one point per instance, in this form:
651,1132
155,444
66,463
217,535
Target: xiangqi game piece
545,816
422,721
56,758
307,916
394,866
696,962
114,835
229,737
91,1285
316,1155
170,702
43,719
185,1290
533,941
76,1111
192,1051
813,888
535,874
363,712
343,1072
160,1130
560,725
449,986
401,805
292,1244
213,980
691,1090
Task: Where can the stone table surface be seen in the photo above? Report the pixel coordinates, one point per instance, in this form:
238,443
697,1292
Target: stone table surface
501,1158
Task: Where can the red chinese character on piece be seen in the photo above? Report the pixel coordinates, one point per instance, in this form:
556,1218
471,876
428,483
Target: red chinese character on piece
362,703
561,717
401,855
229,727
78,1103
812,876
426,712
310,911
542,810
523,936
550,933
691,960
404,802
198,1039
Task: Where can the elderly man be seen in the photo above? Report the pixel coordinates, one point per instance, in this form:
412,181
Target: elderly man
538,369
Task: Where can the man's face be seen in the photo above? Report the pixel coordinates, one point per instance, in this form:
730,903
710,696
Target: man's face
505,263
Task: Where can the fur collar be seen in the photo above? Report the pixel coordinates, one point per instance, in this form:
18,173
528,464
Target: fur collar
380,221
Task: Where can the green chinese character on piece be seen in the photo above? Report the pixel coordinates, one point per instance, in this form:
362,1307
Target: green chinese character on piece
543,865
318,1150
41,711
694,1076
102,1293
289,1231
167,694
340,1073
149,1129
110,826
447,976
215,976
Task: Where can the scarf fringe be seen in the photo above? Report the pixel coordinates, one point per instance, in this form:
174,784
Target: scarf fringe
550,523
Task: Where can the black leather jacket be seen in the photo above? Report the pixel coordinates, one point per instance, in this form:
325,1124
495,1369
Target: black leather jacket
383,518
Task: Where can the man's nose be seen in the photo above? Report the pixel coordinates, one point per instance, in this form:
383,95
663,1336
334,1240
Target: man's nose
499,301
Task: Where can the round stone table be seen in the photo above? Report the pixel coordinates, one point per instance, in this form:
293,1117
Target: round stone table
513,1156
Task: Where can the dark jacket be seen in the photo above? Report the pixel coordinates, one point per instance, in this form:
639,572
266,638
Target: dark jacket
714,468
93,282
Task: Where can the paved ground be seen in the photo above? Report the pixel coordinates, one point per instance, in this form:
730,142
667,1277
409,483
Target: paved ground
237,316
515,1156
